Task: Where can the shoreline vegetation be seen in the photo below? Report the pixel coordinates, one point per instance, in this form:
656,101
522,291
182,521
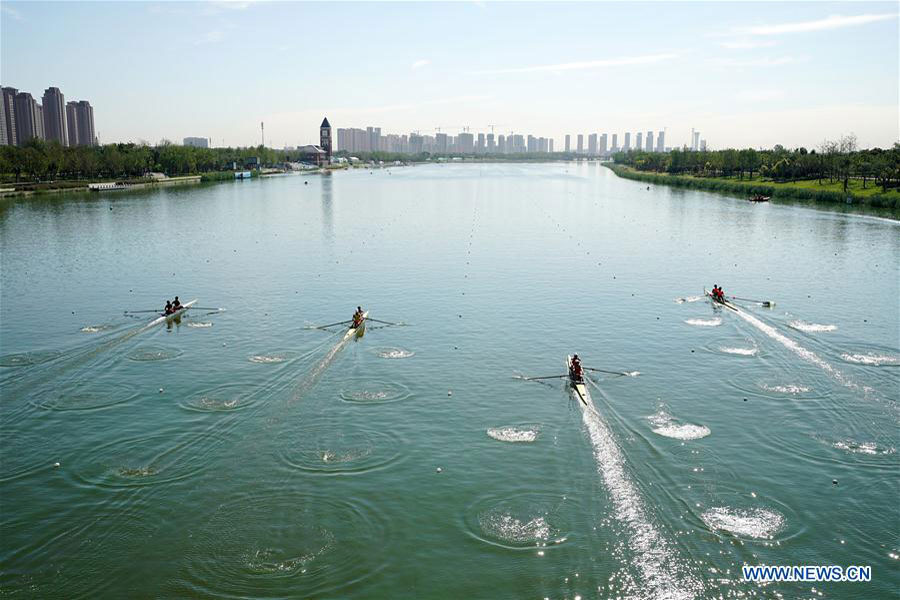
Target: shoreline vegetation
837,174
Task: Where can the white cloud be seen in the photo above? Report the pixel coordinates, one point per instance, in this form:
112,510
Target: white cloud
832,22
760,95
592,64
421,63
756,62
748,44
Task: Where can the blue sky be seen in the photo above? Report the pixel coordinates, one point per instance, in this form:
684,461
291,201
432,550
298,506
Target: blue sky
744,74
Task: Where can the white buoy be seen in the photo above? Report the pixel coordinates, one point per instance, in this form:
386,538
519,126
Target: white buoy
160,390
56,465
439,470
449,393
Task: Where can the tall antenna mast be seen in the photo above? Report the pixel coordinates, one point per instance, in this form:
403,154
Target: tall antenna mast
262,129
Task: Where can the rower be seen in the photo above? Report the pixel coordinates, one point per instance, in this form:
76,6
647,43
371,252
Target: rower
176,305
357,317
168,310
577,371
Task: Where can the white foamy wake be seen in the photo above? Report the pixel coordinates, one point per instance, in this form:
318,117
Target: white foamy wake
811,327
739,351
663,576
688,299
799,350
750,522
704,322
514,434
199,324
90,329
871,359
786,389
863,447
666,425
266,359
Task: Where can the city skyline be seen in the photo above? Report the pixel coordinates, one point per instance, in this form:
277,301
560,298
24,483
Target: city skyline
22,118
745,77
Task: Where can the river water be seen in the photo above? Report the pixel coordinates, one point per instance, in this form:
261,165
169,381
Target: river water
242,453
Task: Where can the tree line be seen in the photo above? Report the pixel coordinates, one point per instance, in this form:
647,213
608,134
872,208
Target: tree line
39,160
838,160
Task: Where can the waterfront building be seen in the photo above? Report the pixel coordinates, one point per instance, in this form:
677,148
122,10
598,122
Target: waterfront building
515,143
661,141
532,144
72,122
603,147
568,143
702,145
551,145
592,144
649,141
441,143
54,117
580,146
9,116
501,144
196,142
82,115
481,144
638,141
491,144
416,143
615,142
465,143
325,138
695,140
627,146
29,118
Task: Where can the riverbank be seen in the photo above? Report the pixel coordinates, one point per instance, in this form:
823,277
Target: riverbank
827,193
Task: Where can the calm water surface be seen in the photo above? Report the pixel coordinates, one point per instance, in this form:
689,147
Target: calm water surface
242,454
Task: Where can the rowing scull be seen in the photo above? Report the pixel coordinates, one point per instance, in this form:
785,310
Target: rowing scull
163,318
578,384
356,331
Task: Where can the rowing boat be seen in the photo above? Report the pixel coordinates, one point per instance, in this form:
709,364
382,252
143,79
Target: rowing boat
357,331
578,384
164,318
715,300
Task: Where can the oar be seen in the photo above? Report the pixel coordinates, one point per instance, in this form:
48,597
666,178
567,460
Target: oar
632,374
154,310
536,378
330,324
206,308
385,322
763,302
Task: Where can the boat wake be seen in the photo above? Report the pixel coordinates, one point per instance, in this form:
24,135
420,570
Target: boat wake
514,434
688,299
872,359
739,351
754,523
811,327
704,322
666,425
662,575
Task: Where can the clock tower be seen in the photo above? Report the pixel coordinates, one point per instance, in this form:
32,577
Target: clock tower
325,138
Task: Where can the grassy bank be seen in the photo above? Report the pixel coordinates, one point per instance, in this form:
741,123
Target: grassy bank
798,190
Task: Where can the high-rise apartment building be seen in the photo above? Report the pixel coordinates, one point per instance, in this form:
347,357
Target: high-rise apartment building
465,143
592,144
695,140
84,116
580,147
603,147
10,137
72,122
54,108
441,143
501,144
649,141
638,141
197,142
627,146
702,145
568,143
480,146
615,142
29,118
661,141
551,146
491,144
